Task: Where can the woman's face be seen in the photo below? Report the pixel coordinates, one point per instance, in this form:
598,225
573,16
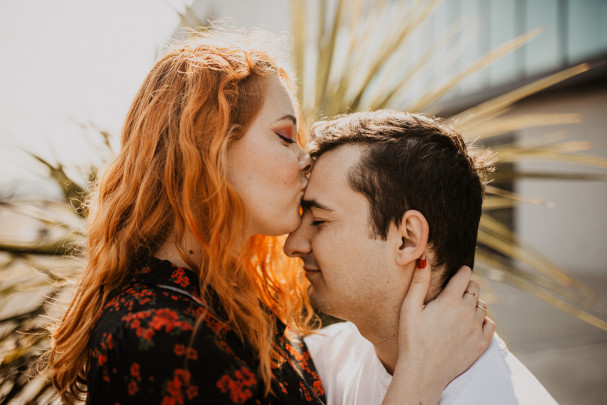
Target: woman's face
268,168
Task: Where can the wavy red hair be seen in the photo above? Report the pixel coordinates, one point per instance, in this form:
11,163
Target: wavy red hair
170,177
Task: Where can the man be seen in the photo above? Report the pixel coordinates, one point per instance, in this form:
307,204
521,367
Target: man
387,189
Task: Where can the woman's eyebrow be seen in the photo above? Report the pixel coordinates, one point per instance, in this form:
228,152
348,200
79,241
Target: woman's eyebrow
289,117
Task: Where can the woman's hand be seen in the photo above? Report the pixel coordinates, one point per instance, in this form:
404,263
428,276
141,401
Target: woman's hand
439,340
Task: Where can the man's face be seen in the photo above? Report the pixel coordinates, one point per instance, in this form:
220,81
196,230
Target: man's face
352,275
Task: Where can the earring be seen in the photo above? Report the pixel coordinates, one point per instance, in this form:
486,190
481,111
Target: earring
421,262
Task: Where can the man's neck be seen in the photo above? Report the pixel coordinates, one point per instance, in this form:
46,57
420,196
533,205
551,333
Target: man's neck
384,337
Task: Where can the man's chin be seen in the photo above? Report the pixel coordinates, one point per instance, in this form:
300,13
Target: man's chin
318,303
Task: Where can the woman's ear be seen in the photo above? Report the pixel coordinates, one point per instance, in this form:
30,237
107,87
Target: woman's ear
413,231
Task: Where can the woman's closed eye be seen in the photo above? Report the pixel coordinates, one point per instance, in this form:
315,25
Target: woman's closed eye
285,135
317,222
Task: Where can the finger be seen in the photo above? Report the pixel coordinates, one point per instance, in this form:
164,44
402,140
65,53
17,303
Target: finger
488,328
481,309
458,283
480,314
472,292
482,304
418,290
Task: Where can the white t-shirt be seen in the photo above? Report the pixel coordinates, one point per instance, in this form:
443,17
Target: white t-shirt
351,373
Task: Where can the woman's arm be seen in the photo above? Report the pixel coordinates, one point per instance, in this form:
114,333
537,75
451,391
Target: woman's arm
439,340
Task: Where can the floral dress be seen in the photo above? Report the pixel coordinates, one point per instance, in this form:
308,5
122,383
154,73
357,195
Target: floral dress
143,350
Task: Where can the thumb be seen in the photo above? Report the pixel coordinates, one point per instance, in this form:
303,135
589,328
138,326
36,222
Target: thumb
420,284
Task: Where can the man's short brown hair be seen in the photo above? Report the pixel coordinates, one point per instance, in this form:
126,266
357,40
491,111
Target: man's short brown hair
411,161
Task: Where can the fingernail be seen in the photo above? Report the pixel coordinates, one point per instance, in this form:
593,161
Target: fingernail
421,262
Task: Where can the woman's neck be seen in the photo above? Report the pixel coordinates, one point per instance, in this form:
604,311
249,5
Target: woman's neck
169,250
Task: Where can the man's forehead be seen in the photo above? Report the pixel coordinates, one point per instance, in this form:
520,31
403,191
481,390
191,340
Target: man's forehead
328,185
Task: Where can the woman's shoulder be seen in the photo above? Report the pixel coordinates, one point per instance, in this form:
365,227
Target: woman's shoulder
156,341
152,307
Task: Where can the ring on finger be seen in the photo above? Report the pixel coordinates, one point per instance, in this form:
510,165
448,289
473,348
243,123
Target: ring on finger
483,308
470,292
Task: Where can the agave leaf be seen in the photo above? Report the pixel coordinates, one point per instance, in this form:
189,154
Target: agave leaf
505,100
498,237
71,190
498,203
189,19
501,266
526,285
298,22
413,20
514,197
385,97
327,50
483,62
55,248
509,152
563,157
537,175
504,125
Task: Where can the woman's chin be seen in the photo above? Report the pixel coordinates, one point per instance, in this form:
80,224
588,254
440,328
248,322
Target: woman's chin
286,227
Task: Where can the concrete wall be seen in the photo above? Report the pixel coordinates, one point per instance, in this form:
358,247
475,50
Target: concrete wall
573,233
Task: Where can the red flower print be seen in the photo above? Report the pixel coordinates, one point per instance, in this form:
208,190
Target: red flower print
302,388
180,278
192,392
179,350
179,386
135,371
320,391
192,354
133,388
238,387
219,328
109,341
163,318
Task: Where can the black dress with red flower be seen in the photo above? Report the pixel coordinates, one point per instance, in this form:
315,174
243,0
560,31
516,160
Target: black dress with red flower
143,350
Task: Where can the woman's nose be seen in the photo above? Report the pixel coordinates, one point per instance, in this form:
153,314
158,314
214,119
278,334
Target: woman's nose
306,164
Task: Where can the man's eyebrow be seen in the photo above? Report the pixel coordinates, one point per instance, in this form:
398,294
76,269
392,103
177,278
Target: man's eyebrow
289,117
308,204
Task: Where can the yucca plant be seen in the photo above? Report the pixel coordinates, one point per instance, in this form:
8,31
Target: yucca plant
37,272
355,68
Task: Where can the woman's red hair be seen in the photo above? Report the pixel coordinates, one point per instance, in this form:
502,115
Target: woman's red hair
170,177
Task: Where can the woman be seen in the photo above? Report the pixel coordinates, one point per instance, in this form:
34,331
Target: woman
187,297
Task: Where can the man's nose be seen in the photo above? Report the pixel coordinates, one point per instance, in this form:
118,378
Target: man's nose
298,243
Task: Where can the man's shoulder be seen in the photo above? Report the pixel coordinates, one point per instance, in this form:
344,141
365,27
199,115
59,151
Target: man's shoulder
499,377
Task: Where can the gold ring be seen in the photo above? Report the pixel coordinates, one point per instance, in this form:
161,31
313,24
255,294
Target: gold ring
484,309
470,292
481,304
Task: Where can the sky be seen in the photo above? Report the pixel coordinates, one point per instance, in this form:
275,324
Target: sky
68,63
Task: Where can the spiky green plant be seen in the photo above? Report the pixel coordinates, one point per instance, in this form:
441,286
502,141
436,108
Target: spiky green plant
36,272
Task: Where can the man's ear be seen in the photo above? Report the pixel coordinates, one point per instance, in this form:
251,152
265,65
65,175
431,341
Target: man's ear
413,231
